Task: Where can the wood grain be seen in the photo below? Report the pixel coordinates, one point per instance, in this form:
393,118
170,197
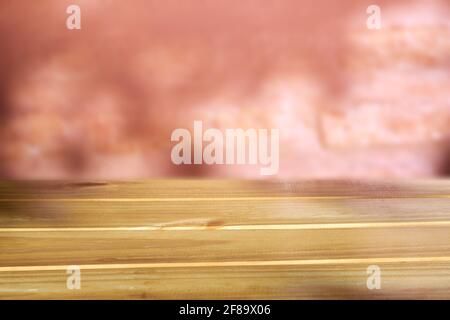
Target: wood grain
185,239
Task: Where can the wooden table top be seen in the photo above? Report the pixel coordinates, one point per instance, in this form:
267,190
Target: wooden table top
225,239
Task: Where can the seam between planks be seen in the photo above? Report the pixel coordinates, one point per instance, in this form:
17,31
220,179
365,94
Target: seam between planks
306,226
229,264
193,199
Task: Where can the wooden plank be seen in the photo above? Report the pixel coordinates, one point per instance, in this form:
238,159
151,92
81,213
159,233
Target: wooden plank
335,281
109,247
164,190
220,213
81,247
225,239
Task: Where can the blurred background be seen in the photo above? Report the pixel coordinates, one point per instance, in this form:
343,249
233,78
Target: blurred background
101,102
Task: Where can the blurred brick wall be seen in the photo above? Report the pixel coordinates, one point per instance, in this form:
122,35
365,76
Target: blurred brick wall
101,102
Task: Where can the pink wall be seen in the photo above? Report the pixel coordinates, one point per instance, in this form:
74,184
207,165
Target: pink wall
101,102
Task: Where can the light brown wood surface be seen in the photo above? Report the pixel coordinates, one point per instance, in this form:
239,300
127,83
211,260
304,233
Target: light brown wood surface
185,239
